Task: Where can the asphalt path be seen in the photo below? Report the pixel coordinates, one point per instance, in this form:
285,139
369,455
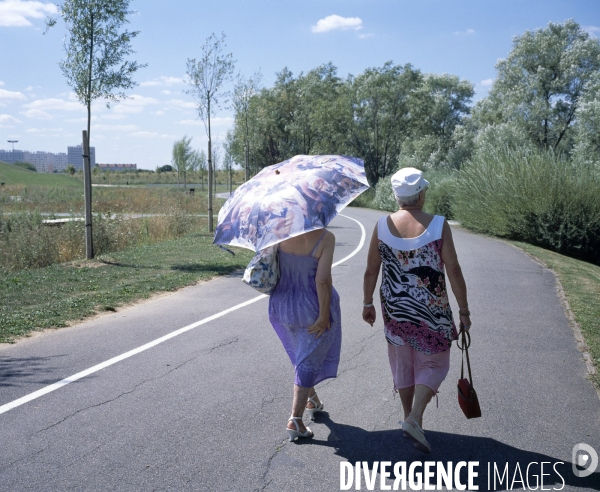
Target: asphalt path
206,410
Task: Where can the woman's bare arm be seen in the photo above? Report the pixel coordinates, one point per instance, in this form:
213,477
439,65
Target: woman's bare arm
324,286
370,279
454,273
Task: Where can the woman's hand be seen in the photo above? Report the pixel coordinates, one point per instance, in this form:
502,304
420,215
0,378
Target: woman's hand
319,327
369,315
465,323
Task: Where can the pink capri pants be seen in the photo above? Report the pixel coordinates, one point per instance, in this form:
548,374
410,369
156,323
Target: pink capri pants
411,367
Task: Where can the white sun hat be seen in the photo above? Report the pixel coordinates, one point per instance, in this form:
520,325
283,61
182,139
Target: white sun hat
408,181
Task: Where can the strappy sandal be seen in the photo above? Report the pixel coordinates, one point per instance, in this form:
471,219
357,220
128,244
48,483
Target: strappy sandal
316,408
295,434
413,431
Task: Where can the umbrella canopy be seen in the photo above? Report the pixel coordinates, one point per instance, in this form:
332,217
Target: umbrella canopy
288,199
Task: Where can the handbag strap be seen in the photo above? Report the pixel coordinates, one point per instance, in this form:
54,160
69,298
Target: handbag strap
466,343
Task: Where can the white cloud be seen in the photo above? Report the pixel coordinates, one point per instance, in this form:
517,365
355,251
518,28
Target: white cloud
1,83
54,104
144,134
214,122
486,82
334,22
37,114
133,104
159,113
118,128
162,81
464,33
178,103
6,119
44,130
366,35
592,30
15,13
10,95
113,116
192,122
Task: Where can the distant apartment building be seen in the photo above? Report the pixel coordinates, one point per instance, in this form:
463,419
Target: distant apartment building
117,167
47,162
75,156
12,156
44,162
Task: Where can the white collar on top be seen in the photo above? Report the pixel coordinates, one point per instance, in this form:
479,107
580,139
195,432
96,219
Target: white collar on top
432,233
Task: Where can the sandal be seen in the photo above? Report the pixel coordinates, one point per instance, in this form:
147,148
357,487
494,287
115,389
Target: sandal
294,434
316,408
413,431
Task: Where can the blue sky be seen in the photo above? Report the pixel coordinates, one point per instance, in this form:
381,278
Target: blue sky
37,107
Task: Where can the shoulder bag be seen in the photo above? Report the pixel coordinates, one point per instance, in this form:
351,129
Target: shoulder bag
262,273
467,397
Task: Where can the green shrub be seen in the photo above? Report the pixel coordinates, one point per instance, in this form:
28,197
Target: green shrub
533,196
440,193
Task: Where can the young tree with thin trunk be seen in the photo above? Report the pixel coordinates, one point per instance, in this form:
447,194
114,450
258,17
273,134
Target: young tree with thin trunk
97,48
183,158
243,92
206,77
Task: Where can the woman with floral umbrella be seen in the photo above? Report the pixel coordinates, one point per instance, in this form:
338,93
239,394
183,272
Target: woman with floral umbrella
290,204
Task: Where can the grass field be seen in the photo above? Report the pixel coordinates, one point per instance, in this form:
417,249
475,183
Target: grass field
12,175
55,296
581,283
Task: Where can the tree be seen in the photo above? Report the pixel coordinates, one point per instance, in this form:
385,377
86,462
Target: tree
381,101
243,92
228,159
540,83
183,158
216,159
587,131
95,66
206,77
71,169
199,164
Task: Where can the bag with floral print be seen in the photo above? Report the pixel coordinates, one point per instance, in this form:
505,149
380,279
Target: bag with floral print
262,273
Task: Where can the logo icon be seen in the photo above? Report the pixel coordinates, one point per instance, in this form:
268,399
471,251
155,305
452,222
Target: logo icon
584,456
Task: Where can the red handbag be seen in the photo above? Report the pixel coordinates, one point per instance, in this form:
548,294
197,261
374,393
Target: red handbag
467,397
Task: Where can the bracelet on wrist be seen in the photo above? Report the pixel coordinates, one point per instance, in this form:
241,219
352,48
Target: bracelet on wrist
464,312
367,304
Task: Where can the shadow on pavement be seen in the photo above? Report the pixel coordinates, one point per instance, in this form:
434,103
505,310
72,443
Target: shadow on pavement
14,369
356,444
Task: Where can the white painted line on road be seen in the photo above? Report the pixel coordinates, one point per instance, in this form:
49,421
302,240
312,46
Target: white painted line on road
363,235
52,387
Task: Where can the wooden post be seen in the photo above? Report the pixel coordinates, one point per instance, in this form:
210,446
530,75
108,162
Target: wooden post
87,191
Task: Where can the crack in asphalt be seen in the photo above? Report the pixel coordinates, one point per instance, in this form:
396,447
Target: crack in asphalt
24,458
263,478
223,344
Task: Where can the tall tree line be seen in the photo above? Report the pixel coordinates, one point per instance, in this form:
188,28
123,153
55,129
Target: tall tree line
373,115
545,96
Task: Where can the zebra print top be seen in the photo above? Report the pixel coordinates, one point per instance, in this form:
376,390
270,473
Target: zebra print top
414,299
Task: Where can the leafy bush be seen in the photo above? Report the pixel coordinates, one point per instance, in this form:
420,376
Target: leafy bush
26,165
440,193
533,196
384,196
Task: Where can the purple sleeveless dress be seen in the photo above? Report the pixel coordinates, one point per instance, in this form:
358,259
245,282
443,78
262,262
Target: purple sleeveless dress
293,307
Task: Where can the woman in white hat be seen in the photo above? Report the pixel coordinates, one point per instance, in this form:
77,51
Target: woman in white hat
413,248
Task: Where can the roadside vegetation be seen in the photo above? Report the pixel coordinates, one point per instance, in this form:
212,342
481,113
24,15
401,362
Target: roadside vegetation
60,294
